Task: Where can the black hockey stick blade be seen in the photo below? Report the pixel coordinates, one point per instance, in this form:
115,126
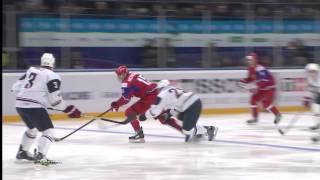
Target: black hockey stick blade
117,122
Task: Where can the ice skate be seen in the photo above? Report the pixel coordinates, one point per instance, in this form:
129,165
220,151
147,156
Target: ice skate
315,139
138,137
41,159
277,119
252,121
22,154
187,138
315,127
211,132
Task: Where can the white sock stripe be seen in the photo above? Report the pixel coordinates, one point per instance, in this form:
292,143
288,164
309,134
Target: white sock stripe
269,107
72,110
30,135
253,106
48,137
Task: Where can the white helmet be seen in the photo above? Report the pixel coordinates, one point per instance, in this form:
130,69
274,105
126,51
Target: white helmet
163,83
47,59
312,67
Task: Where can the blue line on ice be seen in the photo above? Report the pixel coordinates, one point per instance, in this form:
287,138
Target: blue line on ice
177,137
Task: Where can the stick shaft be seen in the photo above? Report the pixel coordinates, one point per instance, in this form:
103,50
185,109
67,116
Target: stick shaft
291,124
60,139
64,137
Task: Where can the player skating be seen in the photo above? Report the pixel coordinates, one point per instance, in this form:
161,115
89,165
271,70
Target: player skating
312,98
133,84
186,106
37,90
264,90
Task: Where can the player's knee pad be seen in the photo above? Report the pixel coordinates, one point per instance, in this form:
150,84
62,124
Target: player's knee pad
48,133
31,133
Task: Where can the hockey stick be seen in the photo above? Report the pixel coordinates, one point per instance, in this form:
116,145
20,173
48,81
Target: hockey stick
64,137
117,122
286,129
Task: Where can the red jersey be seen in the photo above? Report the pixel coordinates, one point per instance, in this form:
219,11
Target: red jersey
135,85
261,76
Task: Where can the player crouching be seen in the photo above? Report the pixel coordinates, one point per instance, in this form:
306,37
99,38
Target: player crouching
186,106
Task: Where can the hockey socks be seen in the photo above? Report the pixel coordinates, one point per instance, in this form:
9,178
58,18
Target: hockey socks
135,124
172,122
28,139
273,109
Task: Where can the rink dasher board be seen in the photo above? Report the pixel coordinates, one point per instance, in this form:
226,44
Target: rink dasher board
93,92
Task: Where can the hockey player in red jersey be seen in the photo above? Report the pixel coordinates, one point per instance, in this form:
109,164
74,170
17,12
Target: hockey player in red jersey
134,84
264,90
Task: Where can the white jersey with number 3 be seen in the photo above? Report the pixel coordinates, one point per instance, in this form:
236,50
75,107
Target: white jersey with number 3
171,98
39,87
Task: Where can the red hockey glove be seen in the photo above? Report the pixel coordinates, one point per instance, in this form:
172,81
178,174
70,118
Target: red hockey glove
120,102
307,102
253,90
72,111
115,105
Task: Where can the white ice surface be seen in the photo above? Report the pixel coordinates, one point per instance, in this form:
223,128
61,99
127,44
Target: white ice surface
238,152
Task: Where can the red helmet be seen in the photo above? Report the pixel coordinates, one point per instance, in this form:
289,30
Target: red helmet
122,70
252,57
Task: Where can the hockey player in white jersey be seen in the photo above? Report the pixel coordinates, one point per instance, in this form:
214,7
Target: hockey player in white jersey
312,98
185,106
37,90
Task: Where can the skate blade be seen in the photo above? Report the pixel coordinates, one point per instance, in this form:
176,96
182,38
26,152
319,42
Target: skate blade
215,132
252,123
23,161
137,141
46,163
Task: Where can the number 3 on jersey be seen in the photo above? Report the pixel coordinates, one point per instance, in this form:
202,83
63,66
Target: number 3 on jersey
32,76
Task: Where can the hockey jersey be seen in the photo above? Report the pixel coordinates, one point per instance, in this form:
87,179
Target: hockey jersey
134,85
261,77
171,98
39,87
313,86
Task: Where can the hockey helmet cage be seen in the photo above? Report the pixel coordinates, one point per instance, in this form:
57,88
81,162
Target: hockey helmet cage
47,59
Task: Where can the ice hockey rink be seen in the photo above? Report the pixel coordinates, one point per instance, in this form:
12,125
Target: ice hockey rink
239,151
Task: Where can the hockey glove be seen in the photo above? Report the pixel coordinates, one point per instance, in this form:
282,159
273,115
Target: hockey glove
120,102
72,111
306,102
115,105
